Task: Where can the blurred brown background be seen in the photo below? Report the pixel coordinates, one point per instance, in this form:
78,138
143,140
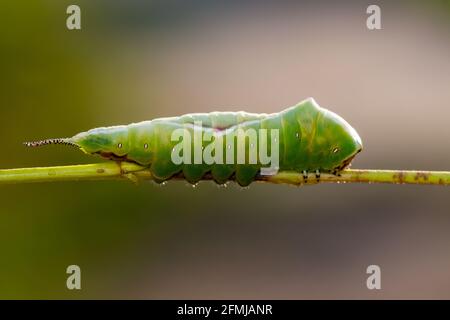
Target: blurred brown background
136,60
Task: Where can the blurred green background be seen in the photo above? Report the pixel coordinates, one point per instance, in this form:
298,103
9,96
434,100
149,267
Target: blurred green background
137,60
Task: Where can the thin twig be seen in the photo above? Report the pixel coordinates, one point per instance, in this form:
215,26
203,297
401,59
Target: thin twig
134,172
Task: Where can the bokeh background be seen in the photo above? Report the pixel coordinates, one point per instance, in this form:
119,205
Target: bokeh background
137,60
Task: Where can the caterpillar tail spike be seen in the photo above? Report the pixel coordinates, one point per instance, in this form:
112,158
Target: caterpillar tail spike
39,143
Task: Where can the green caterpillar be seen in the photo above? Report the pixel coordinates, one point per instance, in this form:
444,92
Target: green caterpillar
306,137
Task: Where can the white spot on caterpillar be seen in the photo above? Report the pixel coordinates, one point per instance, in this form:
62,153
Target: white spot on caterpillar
119,145
145,145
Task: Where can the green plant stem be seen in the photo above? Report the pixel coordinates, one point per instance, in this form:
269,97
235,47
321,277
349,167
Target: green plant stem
134,172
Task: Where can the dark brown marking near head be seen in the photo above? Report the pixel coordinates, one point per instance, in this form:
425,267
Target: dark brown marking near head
346,163
100,170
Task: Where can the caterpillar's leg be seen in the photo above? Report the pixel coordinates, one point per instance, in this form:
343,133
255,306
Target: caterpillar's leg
305,176
129,175
119,163
318,175
336,173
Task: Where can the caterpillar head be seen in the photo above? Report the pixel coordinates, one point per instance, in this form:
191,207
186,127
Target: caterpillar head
340,143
